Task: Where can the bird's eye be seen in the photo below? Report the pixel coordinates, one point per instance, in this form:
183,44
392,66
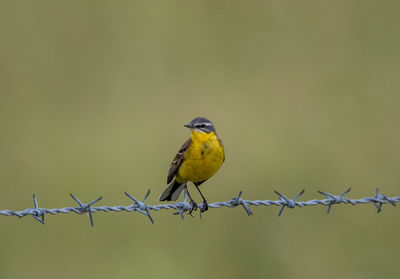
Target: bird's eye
200,126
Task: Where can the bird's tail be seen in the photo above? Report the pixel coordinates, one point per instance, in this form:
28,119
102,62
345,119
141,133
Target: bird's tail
172,192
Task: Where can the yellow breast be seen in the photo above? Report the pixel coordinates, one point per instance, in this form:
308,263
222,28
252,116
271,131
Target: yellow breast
202,159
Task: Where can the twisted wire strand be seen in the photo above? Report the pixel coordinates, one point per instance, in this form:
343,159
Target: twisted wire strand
181,207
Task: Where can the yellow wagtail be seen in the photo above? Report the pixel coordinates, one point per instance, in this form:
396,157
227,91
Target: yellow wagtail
198,159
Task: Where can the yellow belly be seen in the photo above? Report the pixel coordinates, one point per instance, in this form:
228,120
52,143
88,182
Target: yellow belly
202,159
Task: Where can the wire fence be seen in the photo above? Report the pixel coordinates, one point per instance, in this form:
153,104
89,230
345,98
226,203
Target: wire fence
142,207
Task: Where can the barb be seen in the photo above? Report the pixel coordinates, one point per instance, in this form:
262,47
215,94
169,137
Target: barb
36,212
289,203
336,199
378,200
141,206
86,207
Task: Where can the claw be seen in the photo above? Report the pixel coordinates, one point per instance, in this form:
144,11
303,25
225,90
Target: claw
193,205
205,207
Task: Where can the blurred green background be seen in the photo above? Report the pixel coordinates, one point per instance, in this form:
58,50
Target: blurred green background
93,98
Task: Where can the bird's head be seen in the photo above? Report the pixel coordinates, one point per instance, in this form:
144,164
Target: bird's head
201,125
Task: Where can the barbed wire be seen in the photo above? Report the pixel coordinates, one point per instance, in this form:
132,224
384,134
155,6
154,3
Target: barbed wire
181,207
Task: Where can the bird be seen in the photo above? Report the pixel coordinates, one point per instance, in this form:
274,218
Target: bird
199,158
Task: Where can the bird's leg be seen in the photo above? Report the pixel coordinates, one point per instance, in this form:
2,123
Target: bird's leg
205,205
192,203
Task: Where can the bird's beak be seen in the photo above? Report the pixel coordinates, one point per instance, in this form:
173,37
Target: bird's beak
188,126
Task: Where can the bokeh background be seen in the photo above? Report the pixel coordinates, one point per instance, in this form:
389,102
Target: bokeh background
93,98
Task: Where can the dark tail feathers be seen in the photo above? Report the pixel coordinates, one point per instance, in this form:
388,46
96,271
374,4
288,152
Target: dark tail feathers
172,192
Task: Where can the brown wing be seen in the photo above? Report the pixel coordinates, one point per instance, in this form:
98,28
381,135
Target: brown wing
178,160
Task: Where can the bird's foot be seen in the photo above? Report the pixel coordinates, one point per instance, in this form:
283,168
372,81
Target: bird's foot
193,205
205,206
